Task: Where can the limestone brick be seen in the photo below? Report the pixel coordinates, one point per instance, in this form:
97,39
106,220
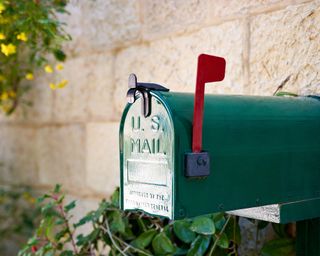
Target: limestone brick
285,44
17,155
102,172
61,155
89,91
173,62
96,26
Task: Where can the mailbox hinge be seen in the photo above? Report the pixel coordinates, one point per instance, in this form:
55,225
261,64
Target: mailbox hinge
143,89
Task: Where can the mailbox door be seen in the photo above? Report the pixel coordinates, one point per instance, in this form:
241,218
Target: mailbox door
146,153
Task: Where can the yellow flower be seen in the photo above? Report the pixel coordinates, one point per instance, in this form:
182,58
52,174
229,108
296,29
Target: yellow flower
28,198
4,96
59,66
2,78
2,36
63,83
5,108
8,49
29,76
12,94
52,86
2,7
48,69
22,36
4,20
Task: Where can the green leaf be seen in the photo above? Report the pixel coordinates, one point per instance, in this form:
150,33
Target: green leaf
117,224
59,55
49,228
162,245
218,216
219,222
57,188
42,198
203,225
278,247
262,224
103,206
32,241
223,241
143,240
181,251
82,240
67,253
199,246
47,208
182,230
89,217
280,229
128,234
115,198
61,234
70,206
233,231
60,199
59,222
286,94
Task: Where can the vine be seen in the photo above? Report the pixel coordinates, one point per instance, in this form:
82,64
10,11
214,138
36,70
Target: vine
128,233
29,33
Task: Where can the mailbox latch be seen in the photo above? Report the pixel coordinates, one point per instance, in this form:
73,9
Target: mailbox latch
210,69
143,89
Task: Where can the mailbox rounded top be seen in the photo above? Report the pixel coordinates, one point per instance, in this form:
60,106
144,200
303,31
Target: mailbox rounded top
147,155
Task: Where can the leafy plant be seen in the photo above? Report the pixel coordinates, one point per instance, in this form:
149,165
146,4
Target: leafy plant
283,244
128,233
19,216
115,232
29,32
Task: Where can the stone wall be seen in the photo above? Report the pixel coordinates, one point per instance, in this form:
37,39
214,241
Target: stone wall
70,136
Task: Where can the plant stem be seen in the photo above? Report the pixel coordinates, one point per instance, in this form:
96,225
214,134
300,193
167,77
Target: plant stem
218,237
132,247
112,237
234,234
60,206
142,224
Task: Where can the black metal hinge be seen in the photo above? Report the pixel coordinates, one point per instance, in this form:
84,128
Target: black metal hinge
143,89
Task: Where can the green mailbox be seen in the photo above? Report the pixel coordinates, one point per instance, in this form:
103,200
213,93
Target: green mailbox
253,156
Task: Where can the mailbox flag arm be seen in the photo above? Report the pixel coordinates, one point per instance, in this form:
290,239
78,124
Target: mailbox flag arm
210,69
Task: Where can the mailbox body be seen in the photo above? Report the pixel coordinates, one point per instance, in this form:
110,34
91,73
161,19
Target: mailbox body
263,150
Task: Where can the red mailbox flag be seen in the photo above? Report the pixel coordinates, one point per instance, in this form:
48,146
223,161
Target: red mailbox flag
210,69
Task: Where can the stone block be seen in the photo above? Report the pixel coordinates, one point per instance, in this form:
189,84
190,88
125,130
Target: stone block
285,44
166,18
162,18
220,10
173,62
61,155
39,107
102,24
102,174
89,91
17,155
253,240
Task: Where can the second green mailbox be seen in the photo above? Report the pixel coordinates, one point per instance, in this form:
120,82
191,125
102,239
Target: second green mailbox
260,152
